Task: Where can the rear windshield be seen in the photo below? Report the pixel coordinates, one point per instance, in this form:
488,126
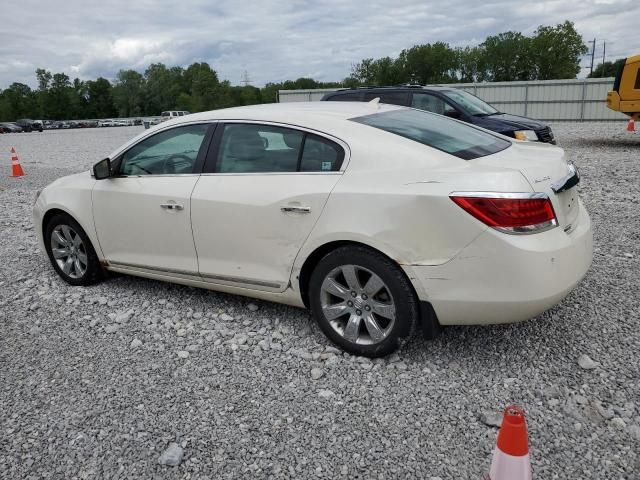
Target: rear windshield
436,131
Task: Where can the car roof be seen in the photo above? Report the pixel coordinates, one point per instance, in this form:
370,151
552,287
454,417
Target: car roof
304,113
321,116
400,88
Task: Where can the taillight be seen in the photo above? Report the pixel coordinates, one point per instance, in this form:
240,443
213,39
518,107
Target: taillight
509,212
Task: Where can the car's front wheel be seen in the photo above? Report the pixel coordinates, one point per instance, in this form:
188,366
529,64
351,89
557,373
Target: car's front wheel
363,301
70,251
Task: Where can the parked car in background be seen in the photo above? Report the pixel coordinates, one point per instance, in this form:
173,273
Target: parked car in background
106,123
168,115
453,103
10,127
376,217
29,125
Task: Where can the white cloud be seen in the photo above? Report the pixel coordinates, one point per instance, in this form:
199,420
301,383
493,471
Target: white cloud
275,40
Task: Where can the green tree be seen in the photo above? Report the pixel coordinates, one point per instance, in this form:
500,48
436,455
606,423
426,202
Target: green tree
99,99
128,93
607,69
507,57
202,84
471,64
428,63
17,101
556,51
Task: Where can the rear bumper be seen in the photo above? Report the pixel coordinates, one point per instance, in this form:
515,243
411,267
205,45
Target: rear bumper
501,278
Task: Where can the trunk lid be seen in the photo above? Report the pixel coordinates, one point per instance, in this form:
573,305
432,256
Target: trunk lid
544,166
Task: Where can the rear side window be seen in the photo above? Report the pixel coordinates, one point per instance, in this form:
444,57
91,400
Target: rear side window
321,155
435,131
347,97
392,98
255,148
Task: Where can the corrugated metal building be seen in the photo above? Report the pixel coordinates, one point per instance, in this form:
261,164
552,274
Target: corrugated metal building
545,99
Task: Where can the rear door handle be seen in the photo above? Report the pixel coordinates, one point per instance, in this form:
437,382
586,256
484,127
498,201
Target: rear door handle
171,206
290,208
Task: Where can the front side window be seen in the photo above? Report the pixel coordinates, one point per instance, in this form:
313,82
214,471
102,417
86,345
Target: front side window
431,103
450,136
254,148
171,151
470,103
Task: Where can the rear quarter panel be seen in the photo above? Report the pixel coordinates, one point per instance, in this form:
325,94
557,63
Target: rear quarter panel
394,197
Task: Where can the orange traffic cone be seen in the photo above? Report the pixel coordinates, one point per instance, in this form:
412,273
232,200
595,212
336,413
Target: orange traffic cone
16,168
631,125
511,456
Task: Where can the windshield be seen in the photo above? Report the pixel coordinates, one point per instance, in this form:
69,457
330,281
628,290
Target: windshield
450,136
470,103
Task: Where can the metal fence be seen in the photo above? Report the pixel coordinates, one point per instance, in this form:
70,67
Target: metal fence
553,100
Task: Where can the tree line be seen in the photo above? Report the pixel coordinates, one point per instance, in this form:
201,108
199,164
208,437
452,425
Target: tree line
552,52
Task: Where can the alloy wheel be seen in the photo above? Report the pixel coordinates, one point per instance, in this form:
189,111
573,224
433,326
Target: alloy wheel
69,251
358,304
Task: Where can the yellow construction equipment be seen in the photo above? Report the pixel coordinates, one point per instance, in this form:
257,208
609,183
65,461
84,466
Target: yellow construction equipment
625,96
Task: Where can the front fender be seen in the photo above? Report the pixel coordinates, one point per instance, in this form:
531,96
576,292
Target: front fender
72,195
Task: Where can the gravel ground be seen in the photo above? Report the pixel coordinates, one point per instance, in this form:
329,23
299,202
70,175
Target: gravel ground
111,380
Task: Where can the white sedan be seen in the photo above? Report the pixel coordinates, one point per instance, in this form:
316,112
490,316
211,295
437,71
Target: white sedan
378,218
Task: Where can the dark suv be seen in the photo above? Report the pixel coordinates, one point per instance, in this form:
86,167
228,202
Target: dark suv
453,103
29,125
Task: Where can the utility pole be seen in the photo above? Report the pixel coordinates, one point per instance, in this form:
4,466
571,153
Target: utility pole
604,52
593,53
245,79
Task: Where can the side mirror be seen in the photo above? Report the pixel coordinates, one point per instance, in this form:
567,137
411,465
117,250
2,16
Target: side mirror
102,169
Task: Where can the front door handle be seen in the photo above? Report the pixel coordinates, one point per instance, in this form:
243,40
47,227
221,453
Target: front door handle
171,206
294,209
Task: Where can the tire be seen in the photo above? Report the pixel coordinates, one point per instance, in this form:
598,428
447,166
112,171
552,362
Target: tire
363,301
65,239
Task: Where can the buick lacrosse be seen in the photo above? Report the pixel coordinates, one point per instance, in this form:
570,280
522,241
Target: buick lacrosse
376,217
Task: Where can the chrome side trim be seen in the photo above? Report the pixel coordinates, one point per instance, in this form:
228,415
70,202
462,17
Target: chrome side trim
245,281
156,175
237,281
265,174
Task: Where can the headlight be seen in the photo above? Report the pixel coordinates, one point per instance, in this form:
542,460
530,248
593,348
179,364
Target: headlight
528,135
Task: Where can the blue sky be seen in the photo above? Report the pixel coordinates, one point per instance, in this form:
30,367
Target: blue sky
275,40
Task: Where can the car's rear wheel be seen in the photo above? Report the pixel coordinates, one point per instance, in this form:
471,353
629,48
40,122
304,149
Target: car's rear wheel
363,301
70,251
